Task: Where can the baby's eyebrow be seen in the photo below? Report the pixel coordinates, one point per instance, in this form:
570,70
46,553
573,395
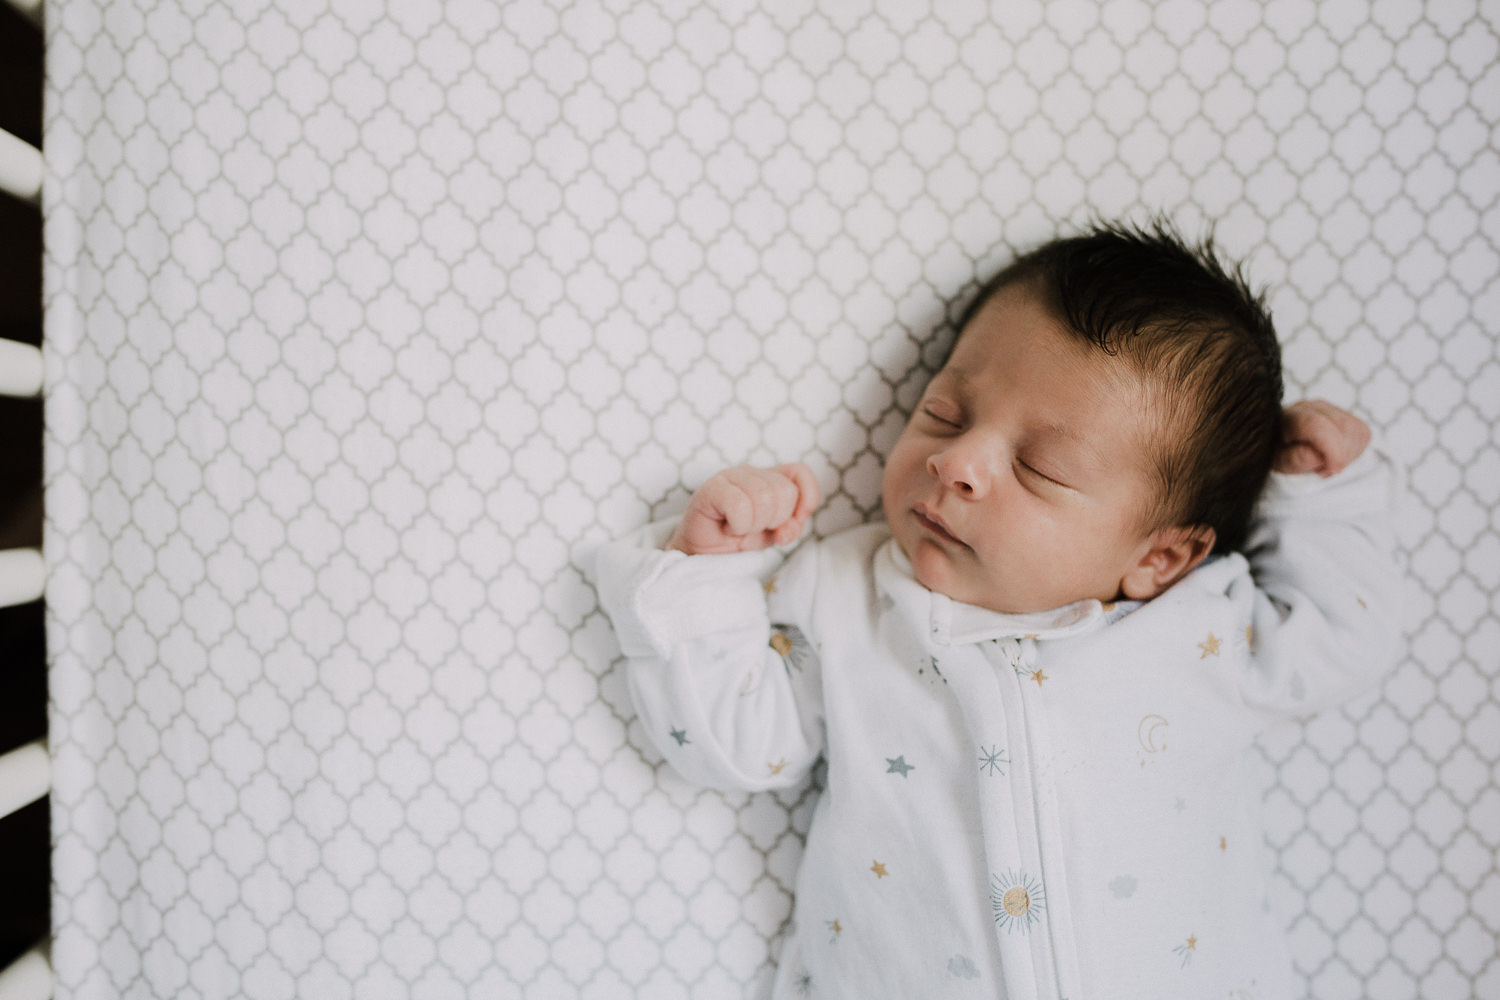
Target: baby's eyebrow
1066,431
950,377
1082,453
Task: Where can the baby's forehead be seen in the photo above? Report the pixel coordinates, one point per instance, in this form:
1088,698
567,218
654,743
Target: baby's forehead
1085,366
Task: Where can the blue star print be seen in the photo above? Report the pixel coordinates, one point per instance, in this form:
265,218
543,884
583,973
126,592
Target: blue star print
992,759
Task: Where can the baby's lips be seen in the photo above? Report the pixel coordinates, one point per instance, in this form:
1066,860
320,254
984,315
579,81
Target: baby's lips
933,520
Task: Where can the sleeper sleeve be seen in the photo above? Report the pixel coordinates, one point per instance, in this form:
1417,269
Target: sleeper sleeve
729,694
1326,602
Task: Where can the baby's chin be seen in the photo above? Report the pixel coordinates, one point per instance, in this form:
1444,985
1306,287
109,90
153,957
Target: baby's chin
936,572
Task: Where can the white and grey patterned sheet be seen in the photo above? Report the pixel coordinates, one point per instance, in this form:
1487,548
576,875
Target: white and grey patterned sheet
362,327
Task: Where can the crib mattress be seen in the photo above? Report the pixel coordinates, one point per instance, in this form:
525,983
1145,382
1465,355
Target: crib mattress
364,325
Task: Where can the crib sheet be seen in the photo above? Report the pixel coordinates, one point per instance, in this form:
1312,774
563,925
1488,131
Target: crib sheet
365,322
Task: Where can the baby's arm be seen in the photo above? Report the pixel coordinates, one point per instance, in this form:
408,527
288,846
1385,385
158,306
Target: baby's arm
723,672
746,508
1326,604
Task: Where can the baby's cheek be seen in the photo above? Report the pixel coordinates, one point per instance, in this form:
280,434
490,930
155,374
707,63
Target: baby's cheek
933,570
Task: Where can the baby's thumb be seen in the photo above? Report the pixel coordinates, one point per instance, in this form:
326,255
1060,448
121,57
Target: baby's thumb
1297,457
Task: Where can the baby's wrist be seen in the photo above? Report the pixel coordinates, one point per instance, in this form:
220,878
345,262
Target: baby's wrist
676,541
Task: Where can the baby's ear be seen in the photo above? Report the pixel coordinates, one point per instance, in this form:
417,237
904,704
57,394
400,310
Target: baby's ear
1167,557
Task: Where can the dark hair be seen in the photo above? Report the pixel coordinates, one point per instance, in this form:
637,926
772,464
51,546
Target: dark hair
1192,327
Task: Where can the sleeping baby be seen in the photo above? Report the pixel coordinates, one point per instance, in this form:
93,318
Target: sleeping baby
1037,684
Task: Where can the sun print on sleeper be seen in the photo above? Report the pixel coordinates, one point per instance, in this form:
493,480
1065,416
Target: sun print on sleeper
1018,901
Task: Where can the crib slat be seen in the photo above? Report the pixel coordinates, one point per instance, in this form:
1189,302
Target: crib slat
25,776
23,576
29,9
20,369
28,977
20,168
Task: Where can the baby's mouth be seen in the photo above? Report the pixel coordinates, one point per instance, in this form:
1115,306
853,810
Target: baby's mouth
935,525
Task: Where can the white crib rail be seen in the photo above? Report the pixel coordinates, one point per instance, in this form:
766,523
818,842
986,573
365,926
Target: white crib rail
28,977
20,168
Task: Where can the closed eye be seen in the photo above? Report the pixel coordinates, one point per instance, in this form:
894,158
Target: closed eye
939,417
1043,476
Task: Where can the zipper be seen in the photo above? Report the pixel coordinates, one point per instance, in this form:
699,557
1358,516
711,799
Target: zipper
992,681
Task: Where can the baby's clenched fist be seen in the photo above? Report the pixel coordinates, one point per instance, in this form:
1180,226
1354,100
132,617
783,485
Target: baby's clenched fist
746,508
1317,436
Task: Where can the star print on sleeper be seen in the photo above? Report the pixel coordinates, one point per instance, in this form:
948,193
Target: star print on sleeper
993,760
1020,653
1052,725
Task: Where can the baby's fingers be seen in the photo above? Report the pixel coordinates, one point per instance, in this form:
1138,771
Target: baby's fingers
808,495
1296,458
747,508
758,501
1320,437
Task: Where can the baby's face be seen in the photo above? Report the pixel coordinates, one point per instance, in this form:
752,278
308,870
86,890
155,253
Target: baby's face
1022,481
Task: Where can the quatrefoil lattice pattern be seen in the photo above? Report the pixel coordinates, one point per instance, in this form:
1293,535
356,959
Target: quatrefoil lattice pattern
365,321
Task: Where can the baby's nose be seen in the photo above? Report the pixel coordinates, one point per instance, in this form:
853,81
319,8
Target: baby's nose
959,469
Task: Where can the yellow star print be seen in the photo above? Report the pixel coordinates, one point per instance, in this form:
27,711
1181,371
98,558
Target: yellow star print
1039,677
1185,950
1210,646
777,767
769,586
879,870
